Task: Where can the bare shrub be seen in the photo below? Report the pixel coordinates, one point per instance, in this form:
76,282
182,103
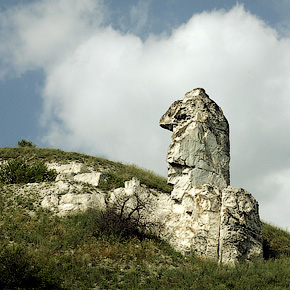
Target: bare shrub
129,215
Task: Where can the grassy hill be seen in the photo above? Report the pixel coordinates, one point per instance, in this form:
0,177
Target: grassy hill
43,251
117,171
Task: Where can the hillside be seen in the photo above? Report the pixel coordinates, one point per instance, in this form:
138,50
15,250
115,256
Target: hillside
39,250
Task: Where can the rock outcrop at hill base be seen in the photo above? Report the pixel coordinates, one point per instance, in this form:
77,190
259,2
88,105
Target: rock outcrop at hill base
215,224
210,217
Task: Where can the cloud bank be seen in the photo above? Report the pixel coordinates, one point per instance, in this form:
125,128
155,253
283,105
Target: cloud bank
105,90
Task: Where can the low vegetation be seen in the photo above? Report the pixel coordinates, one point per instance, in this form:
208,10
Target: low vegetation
19,170
47,252
276,242
95,250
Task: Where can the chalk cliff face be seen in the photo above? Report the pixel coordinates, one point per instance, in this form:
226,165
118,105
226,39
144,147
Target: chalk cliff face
200,149
208,216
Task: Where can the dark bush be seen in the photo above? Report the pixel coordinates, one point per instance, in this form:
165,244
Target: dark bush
19,171
25,143
112,224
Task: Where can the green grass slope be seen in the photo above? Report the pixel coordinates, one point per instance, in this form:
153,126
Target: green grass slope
117,172
42,251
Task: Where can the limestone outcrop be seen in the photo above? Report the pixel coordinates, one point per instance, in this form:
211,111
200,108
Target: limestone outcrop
76,172
208,216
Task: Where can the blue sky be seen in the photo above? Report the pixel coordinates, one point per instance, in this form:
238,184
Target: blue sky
95,77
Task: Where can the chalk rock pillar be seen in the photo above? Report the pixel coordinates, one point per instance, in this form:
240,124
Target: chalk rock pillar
200,148
208,216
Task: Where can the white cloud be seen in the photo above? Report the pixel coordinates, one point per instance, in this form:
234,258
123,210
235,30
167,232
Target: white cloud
105,90
39,34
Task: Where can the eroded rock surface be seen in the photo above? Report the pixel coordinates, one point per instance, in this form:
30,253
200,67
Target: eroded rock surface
78,172
200,149
240,226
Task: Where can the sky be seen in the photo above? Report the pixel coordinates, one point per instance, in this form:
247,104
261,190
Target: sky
95,77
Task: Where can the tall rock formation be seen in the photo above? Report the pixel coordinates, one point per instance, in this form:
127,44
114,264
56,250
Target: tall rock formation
200,149
208,216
